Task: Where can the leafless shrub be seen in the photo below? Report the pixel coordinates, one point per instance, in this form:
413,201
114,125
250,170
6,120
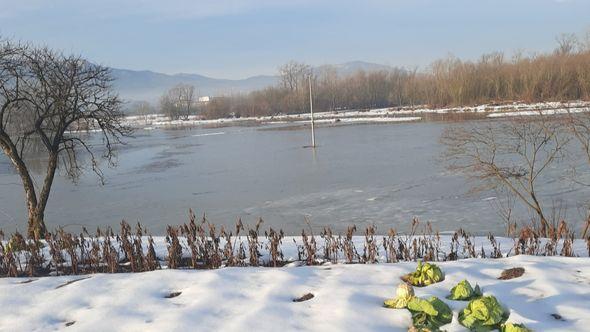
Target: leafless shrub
453,254
468,246
174,248
430,244
131,246
503,204
110,254
55,251
228,250
253,244
125,252
331,245
151,262
191,232
8,266
309,248
70,244
348,245
273,245
528,242
508,155
586,229
390,246
370,251
213,256
496,250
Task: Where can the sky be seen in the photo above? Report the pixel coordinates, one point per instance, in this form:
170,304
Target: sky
241,38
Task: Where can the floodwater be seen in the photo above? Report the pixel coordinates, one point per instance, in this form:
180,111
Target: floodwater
383,174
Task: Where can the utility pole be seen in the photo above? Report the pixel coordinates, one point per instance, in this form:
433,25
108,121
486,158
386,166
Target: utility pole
311,111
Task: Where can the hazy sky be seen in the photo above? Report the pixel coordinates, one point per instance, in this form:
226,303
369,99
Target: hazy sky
240,38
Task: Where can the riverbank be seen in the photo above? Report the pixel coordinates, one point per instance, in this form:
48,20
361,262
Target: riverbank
382,115
203,246
552,295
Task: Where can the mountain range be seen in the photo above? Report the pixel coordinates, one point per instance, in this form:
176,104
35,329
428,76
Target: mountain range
136,85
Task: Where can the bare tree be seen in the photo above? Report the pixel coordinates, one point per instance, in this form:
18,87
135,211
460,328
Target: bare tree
46,98
585,41
329,89
567,43
509,154
168,107
142,109
179,101
293,75
186,98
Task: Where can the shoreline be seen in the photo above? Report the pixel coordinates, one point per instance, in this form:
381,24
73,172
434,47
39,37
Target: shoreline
381,115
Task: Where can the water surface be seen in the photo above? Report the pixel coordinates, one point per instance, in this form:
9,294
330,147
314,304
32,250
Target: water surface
382,174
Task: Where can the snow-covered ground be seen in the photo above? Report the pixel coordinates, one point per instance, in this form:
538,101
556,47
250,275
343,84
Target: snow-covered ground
368,116
346,297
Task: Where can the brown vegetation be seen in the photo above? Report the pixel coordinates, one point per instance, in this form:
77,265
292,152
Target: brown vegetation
511,273
197,245
493,78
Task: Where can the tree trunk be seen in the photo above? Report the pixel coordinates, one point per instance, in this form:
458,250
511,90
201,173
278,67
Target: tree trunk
37,227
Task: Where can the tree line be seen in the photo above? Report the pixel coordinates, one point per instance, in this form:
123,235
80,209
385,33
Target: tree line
563,74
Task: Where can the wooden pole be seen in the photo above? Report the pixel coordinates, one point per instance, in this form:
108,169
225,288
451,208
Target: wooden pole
311,111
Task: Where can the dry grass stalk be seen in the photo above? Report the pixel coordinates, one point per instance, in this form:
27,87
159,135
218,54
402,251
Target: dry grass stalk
134,251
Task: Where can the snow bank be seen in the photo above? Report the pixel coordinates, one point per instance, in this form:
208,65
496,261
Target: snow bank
556,111
353,120
346,297
368,116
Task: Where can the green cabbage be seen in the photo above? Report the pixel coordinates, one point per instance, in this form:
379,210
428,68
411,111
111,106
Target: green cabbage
464,292
403,294
511,327
425,274
483,314
430,314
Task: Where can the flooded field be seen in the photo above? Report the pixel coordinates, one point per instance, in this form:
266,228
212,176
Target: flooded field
382,174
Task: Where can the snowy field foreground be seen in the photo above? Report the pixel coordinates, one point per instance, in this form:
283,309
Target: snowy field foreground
346,297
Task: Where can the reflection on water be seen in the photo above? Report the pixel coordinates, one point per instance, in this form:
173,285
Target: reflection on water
381,174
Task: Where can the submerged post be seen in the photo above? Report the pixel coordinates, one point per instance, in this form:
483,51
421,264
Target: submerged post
311,112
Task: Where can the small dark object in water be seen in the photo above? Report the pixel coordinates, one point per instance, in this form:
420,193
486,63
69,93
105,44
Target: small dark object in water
70,323
511,273
173,294
558,317
305,297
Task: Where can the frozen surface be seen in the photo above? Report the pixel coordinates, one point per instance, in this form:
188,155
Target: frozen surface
383,174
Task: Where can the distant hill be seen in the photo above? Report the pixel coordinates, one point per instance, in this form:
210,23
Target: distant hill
134,85
147,85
